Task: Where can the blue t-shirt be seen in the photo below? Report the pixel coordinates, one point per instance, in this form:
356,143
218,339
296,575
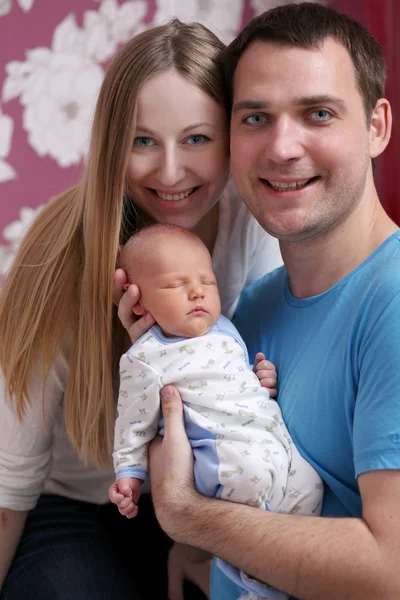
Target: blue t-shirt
338,361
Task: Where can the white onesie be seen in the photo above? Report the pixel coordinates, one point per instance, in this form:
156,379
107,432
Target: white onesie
242,449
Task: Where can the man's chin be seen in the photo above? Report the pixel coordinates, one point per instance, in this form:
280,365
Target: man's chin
295,230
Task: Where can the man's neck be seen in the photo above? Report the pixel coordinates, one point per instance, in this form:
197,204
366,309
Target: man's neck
316,264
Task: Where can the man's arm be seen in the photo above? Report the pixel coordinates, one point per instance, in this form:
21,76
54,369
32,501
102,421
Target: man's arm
307,557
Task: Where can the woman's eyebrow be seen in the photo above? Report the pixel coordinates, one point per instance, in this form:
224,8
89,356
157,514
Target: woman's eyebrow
202,124
144,129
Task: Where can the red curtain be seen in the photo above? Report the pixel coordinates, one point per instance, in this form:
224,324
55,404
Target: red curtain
382,18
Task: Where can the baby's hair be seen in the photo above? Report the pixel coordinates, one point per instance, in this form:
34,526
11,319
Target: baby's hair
138,243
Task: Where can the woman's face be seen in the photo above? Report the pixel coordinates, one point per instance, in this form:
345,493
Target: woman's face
179,164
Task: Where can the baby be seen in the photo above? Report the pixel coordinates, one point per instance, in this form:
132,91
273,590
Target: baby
242,449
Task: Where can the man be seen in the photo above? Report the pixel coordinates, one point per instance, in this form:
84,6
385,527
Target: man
308,117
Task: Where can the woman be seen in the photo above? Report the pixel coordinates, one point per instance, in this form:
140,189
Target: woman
158,152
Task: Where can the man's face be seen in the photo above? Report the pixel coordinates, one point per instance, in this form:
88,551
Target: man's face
300,144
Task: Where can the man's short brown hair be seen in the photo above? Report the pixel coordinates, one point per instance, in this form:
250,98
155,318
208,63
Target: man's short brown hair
308,25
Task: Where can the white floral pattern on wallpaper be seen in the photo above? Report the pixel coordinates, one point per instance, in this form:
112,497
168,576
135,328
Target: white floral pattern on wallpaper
6,130
13,234
5,6
58,86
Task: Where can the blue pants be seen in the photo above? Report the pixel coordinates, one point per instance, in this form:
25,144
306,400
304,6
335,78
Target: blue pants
73,550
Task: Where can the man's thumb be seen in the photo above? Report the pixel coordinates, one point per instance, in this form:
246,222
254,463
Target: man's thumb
172,407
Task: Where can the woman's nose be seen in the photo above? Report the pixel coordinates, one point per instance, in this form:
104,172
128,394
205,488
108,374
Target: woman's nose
172,169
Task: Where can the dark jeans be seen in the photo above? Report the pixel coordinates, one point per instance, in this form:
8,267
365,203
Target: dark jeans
72,550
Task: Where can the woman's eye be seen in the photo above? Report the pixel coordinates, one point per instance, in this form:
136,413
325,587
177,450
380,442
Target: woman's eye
321,115
197,140
142,142
255,119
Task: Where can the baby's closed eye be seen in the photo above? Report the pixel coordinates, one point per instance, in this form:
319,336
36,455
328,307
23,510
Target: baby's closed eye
171,286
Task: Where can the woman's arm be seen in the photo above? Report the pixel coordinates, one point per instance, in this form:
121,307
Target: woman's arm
25,454
11,525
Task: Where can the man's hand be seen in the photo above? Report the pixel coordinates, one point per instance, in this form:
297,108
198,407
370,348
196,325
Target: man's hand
266,373
186,563
125,493
171,467
126,297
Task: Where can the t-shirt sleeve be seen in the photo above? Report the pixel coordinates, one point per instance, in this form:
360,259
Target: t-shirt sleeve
376,424
26,447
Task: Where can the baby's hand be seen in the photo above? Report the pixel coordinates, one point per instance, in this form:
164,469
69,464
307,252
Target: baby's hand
125,493
266,373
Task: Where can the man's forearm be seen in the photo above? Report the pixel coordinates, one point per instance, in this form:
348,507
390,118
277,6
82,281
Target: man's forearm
312,558
11,525
307,557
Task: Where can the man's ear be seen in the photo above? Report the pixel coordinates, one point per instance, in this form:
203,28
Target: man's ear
380,128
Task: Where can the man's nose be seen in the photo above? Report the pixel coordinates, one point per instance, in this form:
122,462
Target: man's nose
285,141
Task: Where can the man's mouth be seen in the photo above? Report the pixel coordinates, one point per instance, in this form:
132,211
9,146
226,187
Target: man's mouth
175,197
290,186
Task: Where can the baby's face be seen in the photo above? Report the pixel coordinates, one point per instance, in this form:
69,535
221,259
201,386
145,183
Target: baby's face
178,287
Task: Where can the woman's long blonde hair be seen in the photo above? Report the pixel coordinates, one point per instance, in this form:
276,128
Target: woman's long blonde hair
58,293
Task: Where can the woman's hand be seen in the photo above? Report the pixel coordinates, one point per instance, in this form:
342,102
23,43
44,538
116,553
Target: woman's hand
126,297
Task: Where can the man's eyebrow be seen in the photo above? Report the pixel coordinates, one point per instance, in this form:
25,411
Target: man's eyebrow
249,105
320,99
301,101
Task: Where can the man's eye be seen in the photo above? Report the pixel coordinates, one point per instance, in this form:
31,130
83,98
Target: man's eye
197,140
143,142
321,115
255,119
